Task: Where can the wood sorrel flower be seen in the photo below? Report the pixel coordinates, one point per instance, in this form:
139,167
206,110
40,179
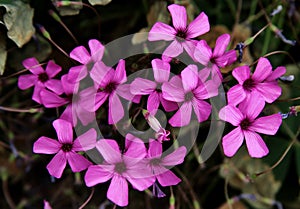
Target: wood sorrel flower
121,166
73,109
181,34
40,78
263,81
191,92
245,118
65,149
87,59
109,84
212,60
159,163
141,86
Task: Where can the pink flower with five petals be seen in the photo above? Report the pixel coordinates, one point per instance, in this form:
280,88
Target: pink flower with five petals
263,81
180,34
248,126
40,78
65,149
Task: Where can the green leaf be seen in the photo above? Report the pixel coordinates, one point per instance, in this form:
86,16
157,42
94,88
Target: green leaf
18,21
3,53
99,2
68,8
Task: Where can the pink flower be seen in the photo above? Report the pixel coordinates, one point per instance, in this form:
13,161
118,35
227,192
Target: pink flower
65,148
87,59
159,164
71,99
141,86
190,92
121,166
109,84
262,81
245,118
161,133
40,78
213,60
181,34
47,205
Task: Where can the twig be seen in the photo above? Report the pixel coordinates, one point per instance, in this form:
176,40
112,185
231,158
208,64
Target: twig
89,198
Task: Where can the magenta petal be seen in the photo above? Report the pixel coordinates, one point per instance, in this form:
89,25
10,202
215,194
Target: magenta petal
236,94
84,116
141,86
135,149
168,105
204,73
141,183
57,164
85,141
98,174
116,110
179,16
155,149
208,90
174,49
161,70
168,178
202,109
232,141
252,105
69,86
69,116
269,90
183,116
279,71
190,47
161,31
174,158
33,66
55,86
102,74
263,70
77,73
267,125
189,78
255,144
64,131
172,92
36,92
45,145
221,45
231,114
27,81
198,26
120,73
226,59
241,73
118,191
52,69
153,102
109,149
81,55
50,100
77,162
97,49
124,92
203,53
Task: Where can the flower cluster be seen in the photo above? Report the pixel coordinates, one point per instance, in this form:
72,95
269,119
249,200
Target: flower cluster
182,96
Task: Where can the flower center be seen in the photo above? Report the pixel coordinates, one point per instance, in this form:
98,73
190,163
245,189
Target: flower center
120,168
245,124
43,77
110,88
248,84
155,161
67,147
181,35
189,96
